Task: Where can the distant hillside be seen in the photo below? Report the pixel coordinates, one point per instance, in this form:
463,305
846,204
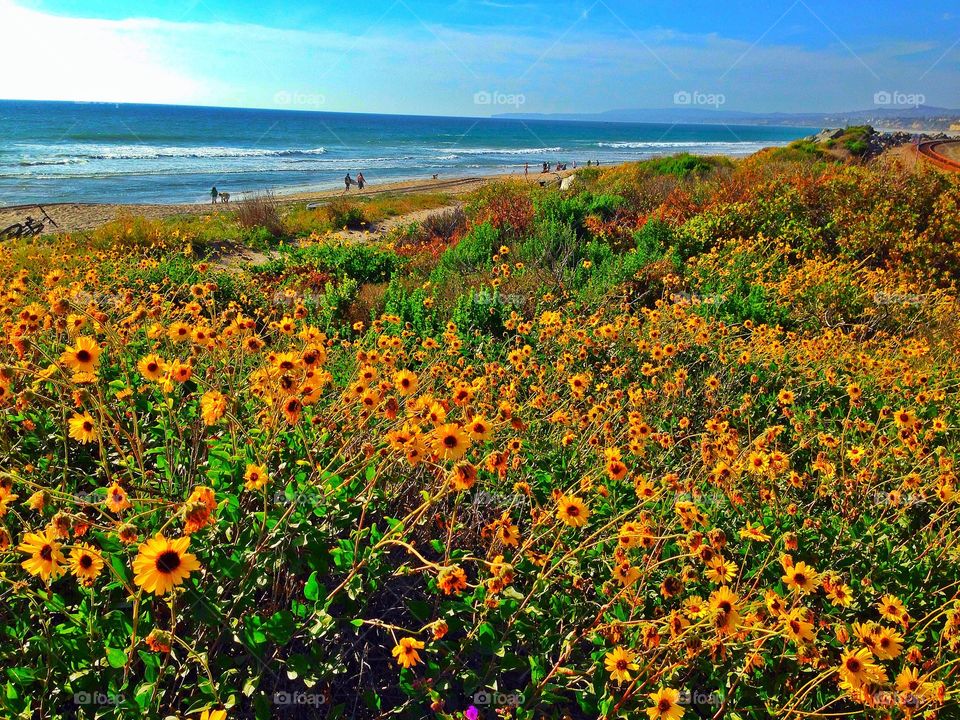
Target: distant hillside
920,118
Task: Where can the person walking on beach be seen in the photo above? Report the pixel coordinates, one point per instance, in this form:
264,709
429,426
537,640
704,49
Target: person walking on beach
361,181
526,169
213,194
348,181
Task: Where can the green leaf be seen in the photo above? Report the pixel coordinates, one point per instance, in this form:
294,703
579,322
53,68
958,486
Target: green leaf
311,590
22,675
143,694
116,657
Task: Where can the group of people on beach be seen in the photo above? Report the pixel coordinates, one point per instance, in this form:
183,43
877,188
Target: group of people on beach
348,181
559,167
359,182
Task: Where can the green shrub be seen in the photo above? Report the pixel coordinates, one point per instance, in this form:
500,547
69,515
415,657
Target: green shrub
344,214
478,313
856,147
552,207
751,302
408,306
553,245
365,263
608,272
653,239
473,253
681,165
603,206
334,301
800,151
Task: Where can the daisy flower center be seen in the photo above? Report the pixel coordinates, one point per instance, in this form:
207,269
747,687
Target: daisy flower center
168,561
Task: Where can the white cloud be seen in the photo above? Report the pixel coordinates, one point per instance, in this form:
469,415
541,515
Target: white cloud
57,58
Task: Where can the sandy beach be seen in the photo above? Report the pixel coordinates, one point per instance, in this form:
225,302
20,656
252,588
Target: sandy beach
77,217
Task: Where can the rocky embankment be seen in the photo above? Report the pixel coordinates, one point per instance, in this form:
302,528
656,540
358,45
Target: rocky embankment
875,142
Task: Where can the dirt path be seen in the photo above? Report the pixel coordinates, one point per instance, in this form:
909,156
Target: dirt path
379,230
905,155
232,256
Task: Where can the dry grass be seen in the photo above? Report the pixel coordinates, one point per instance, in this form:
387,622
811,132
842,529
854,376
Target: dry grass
261,210
445,224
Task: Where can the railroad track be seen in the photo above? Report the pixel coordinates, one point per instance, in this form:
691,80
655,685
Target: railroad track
929,151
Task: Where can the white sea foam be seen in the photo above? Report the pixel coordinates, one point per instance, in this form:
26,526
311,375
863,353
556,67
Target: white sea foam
501,151
656,145
73,154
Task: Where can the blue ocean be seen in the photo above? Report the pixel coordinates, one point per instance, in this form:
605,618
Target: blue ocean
95,152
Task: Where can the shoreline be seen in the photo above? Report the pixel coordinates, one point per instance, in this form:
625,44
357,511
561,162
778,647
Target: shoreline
84,216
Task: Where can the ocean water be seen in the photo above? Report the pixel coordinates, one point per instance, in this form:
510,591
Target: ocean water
94,152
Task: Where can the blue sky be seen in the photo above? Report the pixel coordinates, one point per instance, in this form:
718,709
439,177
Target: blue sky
477,57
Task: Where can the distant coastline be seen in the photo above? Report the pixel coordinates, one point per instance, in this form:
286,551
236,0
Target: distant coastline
922,118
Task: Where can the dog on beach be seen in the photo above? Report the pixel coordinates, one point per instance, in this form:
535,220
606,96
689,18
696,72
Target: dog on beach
435,176
224,198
